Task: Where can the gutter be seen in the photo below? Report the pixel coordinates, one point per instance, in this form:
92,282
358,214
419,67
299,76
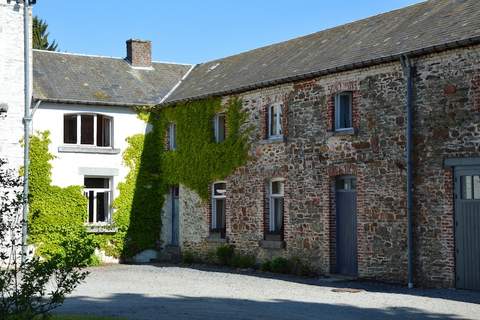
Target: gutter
347,67
96,103
409,72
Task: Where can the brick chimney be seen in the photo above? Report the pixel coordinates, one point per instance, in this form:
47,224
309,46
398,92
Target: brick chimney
139,53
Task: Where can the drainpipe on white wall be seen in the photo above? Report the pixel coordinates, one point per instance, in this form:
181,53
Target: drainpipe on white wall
26,122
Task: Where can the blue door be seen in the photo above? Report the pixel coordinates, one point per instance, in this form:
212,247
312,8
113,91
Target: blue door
346,226
174,198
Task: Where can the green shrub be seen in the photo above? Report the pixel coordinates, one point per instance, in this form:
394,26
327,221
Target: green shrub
266,266
225,254
243,261
188,257
300,267
211,257
280,265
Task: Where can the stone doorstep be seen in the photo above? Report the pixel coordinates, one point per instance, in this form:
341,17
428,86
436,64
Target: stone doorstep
272,244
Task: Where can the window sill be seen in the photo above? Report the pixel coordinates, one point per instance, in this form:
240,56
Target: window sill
87,149
272,244
273,140
345,132
216,238
100,228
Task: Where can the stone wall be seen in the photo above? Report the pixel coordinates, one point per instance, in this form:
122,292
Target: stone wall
311,155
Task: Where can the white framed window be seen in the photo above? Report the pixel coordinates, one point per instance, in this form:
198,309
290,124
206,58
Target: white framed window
275,121
172,137
218,223
275,215
343,111
98,191
219,127
88,129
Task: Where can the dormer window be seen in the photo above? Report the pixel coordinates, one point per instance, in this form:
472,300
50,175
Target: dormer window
343,111
87,129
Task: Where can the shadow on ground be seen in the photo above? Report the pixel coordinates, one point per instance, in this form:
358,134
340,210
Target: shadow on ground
135,306
467,296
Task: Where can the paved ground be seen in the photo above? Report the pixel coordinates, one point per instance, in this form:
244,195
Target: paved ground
155,292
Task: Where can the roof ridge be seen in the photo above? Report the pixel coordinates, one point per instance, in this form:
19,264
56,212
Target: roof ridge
106,57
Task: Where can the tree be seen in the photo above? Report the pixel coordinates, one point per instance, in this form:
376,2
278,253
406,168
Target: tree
30,290
40,36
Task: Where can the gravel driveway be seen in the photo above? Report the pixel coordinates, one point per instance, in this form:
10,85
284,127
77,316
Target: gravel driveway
169,292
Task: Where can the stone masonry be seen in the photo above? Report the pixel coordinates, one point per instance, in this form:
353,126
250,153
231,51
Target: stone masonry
311,155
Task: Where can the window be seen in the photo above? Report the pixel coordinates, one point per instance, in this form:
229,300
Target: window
87,129
470,187
345,183
218,208
343,111
172,137
219,127
275,121
275,218
98,192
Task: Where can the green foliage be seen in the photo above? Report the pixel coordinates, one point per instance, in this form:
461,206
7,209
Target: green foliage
300,267
56,214
197,162
225,254
243,261
280,265
188,257
40,36
266,266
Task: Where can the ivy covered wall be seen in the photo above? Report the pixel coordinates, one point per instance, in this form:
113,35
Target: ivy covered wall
56,214
198,161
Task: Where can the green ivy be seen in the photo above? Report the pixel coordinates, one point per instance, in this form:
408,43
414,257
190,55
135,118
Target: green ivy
197,162
56,214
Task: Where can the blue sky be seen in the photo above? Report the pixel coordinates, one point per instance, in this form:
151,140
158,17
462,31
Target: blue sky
194,31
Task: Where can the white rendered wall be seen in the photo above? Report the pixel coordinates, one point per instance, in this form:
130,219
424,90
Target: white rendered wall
66,166
11,82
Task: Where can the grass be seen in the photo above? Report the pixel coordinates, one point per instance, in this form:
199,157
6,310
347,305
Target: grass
80,317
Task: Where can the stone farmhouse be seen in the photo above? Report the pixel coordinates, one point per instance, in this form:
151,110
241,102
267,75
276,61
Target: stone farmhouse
330,146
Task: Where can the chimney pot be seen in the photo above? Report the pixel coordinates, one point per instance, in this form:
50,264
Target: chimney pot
139,53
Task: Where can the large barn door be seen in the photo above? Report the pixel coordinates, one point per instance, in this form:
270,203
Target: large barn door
467,227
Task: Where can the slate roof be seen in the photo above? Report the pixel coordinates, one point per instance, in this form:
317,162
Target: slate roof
436,24
61,77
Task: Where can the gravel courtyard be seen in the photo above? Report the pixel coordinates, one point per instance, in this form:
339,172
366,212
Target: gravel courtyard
168,292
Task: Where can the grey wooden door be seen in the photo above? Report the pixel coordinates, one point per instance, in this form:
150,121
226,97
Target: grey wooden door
346,226
174,196
467,227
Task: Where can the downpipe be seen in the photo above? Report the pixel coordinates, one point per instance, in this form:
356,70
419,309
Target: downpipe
26,125
409,70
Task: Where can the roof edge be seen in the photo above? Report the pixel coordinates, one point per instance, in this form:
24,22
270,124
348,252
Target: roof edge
96,103
352,66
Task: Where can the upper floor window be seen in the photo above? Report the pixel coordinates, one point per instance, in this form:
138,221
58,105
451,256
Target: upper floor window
219,127
275,121
87,129
343,111
172,137
275,217
99,194
218,222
